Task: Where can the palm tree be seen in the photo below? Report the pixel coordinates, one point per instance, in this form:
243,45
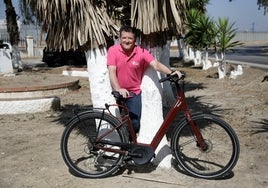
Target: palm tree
224,42
200,30
187,17
200,35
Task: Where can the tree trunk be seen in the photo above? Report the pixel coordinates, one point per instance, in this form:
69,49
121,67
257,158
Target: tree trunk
206,62
14,35
181,47
100,88
222,66
16,58
183,50
12,26
154,97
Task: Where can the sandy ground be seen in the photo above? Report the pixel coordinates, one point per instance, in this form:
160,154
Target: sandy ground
30,143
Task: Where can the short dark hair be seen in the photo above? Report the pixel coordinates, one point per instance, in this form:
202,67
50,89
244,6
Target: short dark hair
127,28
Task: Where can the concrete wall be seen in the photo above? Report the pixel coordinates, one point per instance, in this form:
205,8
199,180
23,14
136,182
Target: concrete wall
251,37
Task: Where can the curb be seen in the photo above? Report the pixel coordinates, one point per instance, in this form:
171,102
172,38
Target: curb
22,106
33,99
80,72
262,66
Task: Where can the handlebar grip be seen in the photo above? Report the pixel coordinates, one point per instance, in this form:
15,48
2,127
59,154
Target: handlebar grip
172,77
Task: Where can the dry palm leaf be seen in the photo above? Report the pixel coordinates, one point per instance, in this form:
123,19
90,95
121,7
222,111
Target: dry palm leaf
72,23
151,16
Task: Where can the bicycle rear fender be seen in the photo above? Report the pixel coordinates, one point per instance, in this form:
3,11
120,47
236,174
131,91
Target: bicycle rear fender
80,115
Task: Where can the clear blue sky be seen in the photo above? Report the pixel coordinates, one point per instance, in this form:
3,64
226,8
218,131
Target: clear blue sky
244,13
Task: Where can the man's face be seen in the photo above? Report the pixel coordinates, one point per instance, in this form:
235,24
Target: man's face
127,41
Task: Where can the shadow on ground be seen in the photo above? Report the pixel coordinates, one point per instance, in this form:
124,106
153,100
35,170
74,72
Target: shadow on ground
69,111
261,127
195,105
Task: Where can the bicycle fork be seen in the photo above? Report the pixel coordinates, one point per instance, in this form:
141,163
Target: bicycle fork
181,104
198,136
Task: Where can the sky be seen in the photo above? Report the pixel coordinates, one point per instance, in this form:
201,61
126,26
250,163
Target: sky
244,13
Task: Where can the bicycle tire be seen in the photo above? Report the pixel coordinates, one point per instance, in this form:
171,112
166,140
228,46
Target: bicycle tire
76,145
222,153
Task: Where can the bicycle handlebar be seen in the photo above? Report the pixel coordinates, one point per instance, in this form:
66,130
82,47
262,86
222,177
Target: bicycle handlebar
173,78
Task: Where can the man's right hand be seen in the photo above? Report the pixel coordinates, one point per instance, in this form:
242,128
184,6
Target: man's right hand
125,93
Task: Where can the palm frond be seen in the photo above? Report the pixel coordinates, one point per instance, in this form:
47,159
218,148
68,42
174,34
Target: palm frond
72,23
151,16
225,35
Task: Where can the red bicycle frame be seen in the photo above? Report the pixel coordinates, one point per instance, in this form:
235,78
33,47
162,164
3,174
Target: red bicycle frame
179,105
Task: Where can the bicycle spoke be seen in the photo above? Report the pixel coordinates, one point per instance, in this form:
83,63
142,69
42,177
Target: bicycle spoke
220,155
79,151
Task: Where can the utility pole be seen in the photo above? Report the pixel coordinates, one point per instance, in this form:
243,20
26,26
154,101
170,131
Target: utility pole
253,27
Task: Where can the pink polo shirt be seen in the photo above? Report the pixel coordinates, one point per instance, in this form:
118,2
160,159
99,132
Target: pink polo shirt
130,69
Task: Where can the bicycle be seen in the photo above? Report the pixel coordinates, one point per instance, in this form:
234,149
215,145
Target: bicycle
95,143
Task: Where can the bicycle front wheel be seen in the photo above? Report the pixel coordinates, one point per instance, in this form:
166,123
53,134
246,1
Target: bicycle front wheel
222,151
77,145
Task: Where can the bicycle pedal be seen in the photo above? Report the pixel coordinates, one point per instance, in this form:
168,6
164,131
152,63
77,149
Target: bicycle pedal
127,158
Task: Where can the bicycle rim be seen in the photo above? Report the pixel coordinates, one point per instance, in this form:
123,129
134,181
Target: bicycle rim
218,159
77,146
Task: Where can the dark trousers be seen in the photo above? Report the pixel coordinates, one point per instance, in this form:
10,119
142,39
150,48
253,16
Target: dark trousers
134,107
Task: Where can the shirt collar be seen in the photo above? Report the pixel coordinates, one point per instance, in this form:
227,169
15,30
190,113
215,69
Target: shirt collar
133,52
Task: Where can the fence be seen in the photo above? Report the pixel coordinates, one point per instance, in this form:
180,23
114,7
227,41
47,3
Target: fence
251,36
22,42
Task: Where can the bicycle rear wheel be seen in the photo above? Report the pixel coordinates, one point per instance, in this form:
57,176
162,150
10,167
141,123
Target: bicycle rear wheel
222,151
77,145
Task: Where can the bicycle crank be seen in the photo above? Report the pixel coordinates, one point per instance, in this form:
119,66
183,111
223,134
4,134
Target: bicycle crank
141,154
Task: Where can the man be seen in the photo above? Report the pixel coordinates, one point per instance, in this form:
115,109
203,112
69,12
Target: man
127,63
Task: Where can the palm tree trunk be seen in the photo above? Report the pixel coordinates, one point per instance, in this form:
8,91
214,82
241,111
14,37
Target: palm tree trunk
152,116
222,67
154,97
100,88
206,62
